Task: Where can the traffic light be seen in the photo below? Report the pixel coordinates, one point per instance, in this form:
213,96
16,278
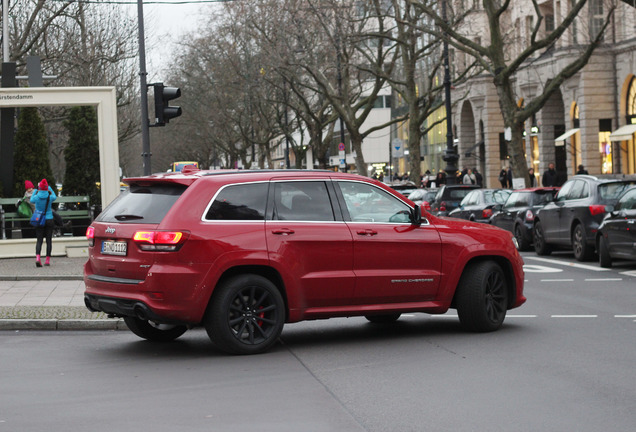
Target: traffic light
163,111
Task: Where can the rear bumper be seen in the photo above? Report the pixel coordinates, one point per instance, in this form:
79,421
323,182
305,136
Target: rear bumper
119,307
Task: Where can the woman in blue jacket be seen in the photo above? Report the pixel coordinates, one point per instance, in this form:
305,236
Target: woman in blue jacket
39,198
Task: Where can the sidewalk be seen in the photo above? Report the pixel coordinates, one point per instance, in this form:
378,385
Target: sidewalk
47,298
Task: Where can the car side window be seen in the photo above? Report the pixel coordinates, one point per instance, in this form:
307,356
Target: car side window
628,201
512,200
239,202
368,203
523,200
564,191
302,201
579,190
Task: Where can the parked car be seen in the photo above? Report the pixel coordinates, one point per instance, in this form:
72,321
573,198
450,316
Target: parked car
423,197
448,198
479,204
404,187
571,221
243,252
517,213
616,237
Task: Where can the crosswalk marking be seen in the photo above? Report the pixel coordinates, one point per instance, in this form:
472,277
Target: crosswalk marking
567,264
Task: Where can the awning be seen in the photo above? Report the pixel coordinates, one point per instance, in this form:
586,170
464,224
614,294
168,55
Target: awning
561,139
623,133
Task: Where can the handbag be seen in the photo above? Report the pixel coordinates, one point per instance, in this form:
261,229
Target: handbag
24,209
39,217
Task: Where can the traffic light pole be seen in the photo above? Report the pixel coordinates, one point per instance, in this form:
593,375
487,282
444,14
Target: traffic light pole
143,87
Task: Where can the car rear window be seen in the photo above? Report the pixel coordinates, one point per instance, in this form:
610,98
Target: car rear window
458,194
142,204
611,191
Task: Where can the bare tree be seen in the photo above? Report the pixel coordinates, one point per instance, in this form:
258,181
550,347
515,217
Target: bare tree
81,44
502,56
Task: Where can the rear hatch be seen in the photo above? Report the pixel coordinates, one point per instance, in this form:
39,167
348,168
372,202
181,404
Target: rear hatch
125,234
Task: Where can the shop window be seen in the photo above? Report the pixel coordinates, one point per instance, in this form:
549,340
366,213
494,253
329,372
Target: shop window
605,146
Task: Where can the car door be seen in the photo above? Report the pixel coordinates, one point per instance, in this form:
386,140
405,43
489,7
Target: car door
506,217
309,243
394,261
550,215
574,203
621,226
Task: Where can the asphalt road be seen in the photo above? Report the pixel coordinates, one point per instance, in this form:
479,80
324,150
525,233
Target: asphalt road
562,362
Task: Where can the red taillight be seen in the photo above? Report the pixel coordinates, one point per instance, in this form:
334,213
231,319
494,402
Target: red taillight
164,241
442,206
597,209
529,215
426,205
486,213
90,235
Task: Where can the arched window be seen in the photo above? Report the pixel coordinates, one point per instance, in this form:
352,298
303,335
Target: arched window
631,102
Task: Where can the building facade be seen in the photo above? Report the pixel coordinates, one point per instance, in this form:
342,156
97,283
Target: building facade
590,120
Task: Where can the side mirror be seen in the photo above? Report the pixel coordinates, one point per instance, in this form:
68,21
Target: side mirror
416,215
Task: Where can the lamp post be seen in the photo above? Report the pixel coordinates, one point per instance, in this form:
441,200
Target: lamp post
450,155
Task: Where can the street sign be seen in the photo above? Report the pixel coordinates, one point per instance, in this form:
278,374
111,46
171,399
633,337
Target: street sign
341,147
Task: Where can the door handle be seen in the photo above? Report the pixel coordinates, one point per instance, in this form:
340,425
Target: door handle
283,231
367,232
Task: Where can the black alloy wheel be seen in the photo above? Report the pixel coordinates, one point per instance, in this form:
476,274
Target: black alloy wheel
582,251
540,246
246,315
482,297
522,243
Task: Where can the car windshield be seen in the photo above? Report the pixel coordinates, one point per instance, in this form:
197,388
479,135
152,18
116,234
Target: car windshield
611,191
496,196
459,194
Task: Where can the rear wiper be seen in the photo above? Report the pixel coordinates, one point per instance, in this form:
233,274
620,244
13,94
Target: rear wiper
122,217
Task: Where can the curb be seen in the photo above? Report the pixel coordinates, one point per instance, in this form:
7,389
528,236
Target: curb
62,324
43,277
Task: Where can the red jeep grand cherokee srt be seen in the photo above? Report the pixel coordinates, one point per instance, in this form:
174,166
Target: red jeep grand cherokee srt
243,252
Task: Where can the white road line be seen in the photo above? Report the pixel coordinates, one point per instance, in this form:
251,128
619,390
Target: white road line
629,273
574,316
567,264
603,280
557,280
624,316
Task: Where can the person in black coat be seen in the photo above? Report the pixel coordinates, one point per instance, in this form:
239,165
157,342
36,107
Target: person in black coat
550,176
582,170
503,178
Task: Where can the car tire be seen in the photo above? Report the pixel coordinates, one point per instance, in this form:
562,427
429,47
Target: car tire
154,332
582,251
540,245
604,258
383,319
246,315
482,297
522,243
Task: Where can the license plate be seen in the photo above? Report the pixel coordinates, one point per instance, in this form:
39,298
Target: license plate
114,248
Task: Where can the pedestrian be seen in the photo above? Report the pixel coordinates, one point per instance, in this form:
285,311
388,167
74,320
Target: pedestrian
503,178
478,178
582,170
469,178
440,179
43,200
550,176
532,178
